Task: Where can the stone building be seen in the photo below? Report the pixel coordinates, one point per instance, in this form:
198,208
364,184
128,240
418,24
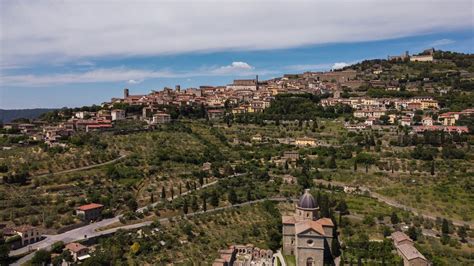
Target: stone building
90,212
306,236
405,248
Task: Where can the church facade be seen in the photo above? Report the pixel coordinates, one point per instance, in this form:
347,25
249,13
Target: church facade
306,236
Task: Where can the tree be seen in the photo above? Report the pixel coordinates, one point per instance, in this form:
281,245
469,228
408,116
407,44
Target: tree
41,257
462,233
132,204
342,207
57,247
204,205
445,227
432,170
335,247
214,200
232,197
355,166
332,163
4,251
185,206
194,204
412,233
163,193
394,218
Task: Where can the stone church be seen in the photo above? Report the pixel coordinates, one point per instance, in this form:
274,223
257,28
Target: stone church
306,236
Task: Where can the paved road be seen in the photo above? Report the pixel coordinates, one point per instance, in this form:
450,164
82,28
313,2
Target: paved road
89,231
83,168
393,203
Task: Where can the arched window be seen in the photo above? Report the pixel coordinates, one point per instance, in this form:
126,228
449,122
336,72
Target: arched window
309,262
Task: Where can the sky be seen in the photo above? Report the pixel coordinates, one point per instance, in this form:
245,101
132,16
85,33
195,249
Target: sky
74,53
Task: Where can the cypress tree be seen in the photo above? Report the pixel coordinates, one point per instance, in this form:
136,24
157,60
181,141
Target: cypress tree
163,193
185,206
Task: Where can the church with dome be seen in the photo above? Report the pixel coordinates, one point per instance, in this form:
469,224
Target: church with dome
307,236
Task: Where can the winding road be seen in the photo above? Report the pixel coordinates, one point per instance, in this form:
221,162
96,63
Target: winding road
83,168
90,230
394,203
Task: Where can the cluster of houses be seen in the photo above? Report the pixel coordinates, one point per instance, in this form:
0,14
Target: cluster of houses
244,255
401,112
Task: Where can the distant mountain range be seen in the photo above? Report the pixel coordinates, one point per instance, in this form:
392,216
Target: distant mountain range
8,115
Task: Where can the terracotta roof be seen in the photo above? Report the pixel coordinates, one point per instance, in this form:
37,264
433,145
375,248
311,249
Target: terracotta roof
75,247
23,228
325,222
410,252
90,206
314,225
400,236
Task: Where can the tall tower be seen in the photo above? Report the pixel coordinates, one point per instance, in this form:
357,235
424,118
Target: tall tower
177,88
125,93
256,82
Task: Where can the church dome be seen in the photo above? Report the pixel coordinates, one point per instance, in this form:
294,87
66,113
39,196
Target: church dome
307,201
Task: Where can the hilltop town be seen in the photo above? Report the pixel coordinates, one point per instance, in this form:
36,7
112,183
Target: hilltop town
368,164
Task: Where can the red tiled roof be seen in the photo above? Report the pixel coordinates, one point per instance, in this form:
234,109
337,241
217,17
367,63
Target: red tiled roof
325,222
90,206
314,225
75,247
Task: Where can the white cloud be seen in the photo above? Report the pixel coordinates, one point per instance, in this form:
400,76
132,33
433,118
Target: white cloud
34,31
134,81
339,65
121,74
234,68
441,42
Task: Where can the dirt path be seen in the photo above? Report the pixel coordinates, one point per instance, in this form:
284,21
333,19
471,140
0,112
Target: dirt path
82,168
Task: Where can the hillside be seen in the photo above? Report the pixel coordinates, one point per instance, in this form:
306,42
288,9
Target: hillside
8,115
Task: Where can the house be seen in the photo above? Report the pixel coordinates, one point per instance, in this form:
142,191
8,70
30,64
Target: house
305,142
421,58
405,121
117,114
215,114
291,155
400,238
161,118
28,234
449,118
78,251
257,138
206,167
369,113
90,212
289,179
404,245
427,121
